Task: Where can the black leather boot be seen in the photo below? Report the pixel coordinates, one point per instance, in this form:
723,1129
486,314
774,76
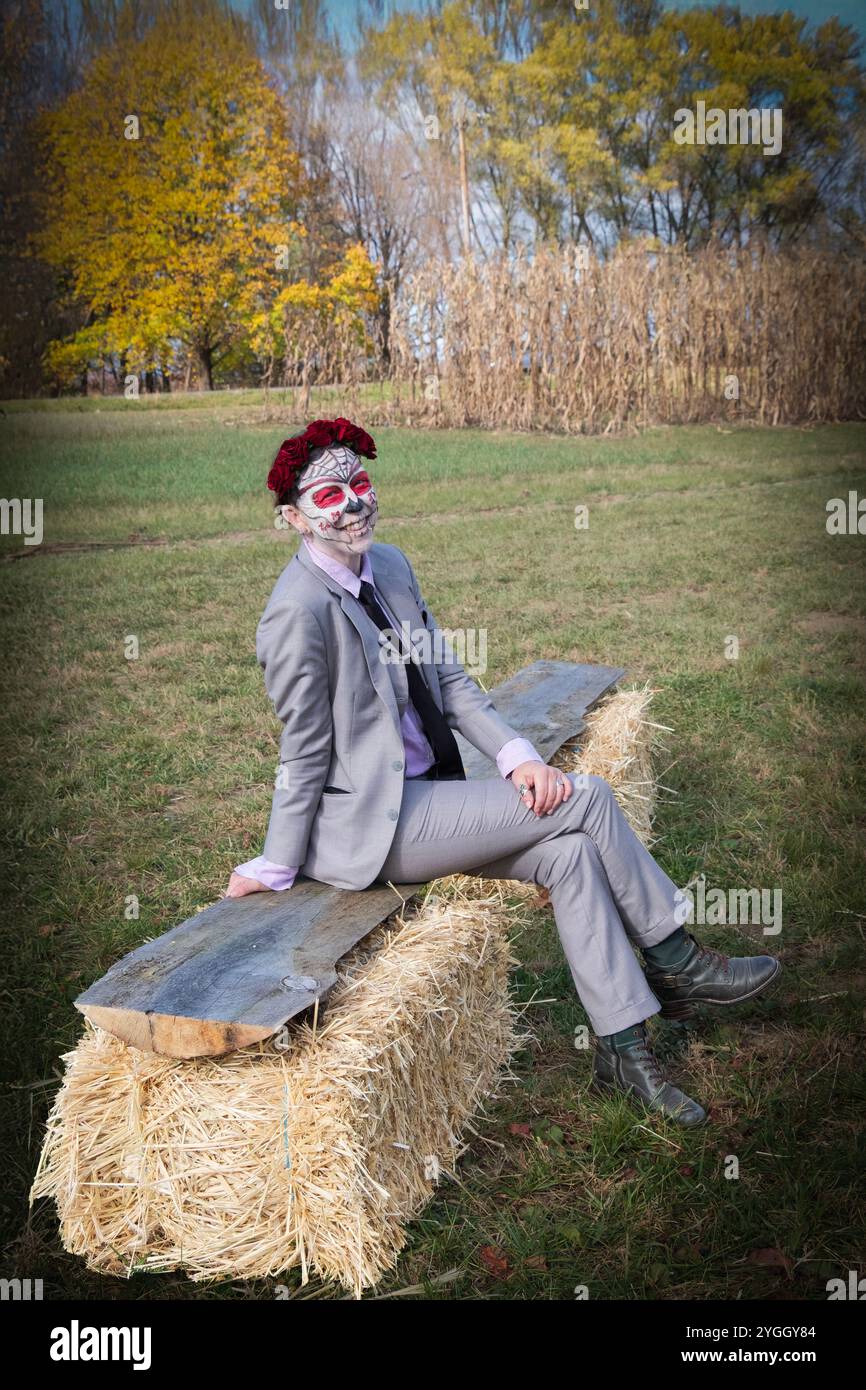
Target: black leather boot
634,1069
710,977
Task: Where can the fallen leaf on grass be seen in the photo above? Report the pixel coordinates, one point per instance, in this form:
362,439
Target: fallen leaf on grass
539,900
573,1234
495,1262
770,1258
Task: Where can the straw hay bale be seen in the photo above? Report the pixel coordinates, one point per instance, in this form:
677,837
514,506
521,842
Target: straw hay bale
620,744
314,1149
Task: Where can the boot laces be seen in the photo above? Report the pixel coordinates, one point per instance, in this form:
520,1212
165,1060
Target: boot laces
716,958
644,1052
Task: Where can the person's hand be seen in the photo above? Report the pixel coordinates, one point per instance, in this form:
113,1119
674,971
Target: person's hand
240,886
543,787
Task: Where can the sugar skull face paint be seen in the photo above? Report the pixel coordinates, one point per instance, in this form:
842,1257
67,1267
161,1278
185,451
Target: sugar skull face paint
336,496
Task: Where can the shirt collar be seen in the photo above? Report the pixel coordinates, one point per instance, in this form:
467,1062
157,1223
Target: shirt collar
340,572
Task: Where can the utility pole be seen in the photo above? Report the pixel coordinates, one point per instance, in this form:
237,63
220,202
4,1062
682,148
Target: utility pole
460,109
464,178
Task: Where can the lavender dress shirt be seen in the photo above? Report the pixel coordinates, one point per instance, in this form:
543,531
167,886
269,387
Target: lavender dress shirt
419,754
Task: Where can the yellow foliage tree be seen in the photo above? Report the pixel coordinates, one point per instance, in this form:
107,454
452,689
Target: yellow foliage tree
324,322
174,197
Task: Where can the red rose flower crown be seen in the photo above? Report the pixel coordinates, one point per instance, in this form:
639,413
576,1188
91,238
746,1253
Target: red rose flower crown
294,454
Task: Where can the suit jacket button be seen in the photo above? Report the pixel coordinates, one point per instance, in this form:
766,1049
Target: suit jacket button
397,765
393,815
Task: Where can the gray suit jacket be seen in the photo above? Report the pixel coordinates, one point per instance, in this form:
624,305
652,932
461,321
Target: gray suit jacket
341,705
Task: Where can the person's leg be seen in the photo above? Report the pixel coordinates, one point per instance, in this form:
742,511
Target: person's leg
648,901
680,971
483,827
608,979
464,824
442,834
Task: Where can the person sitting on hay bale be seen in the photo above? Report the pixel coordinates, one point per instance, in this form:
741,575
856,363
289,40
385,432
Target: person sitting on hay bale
371,785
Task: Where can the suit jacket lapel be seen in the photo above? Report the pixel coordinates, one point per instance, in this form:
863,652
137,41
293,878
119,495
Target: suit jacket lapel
399,597
377,668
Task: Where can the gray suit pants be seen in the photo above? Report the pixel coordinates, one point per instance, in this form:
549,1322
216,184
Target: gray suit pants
605,888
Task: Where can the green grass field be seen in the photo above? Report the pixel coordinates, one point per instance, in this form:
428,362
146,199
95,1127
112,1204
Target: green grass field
152,777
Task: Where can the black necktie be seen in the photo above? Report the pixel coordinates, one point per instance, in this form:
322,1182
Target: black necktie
448,761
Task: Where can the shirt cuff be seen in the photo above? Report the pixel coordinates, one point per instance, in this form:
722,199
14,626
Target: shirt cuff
275,876
515,752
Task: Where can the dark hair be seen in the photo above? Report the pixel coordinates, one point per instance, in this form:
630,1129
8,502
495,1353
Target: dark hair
289,497
286,499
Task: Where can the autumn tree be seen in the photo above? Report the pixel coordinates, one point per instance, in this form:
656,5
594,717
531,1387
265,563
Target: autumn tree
576,116
41,50
174,196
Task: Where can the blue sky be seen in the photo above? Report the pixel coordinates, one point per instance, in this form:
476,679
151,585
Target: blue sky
851,12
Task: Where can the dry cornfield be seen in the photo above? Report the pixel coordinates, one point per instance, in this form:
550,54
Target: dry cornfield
572,343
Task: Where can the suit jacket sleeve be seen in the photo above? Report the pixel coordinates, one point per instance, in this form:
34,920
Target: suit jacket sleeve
291,650
465,705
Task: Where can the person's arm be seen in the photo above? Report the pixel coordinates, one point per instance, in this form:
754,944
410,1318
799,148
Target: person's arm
544,787
516,751
258,874
291,651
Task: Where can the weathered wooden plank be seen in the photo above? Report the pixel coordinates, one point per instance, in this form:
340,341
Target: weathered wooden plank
237,971
241,968
546,703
